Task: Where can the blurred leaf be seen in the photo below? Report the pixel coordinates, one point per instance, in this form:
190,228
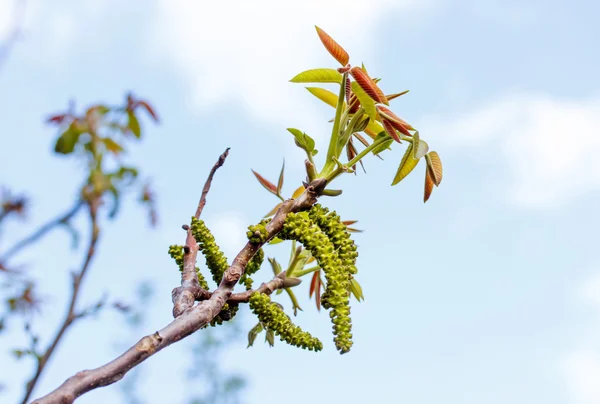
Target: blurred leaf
112,146
149,109
253,333
133,124
434,164
333,47
407,164
275,240
268,185
365,101
428,185
318,76
67,141
56,119
324,95
116,201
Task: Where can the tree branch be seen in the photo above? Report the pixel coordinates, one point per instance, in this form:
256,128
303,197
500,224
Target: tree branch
183,297
71,315
188,322
41,232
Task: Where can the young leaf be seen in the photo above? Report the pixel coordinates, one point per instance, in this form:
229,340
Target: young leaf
133,124
303,141
295,304
322,75
274,210
333,47
269,186
315,287
65,144
398,123
434,164
270,337
383,146
366,83
253,333
356,290
280,181
149,109
299,191
407,164
428,185
365,100
275,265
420,147
389,129
395,95
326,96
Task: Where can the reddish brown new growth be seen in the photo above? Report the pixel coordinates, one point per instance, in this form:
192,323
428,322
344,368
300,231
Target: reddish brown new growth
315,288
333,47
368,85
434,166
268,185
428,185
398,123
390,130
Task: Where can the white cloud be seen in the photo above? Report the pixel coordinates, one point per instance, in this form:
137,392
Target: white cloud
548,146
247,51
581,367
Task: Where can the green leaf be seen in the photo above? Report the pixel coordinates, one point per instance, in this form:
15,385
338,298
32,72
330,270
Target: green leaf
318,76
420,148
407,164
280,181
294,300
275,240
270,337
383,146
365,100
134,125
303,141
65,144
356,290
326,96
275,265
253,333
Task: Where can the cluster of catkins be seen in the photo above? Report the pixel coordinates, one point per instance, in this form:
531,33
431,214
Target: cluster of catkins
215,259
326,237
176,252
275,319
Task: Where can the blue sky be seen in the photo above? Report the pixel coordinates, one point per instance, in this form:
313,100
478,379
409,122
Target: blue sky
489,293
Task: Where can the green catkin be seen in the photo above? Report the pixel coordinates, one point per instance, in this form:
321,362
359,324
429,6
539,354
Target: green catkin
176,252
274,318
252,267
227,313
215,259
257,233
300,227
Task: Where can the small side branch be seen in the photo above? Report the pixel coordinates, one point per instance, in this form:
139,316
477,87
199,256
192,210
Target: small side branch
183,296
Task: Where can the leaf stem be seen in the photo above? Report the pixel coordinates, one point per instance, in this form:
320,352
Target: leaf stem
339,170
335,133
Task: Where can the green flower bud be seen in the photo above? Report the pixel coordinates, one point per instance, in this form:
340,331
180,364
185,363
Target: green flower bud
215,259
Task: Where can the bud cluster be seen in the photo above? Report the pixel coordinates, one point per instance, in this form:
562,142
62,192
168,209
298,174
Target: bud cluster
257,233
274,318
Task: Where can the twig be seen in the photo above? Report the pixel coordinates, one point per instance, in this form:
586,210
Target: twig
41,232
71,315
188,322
183,296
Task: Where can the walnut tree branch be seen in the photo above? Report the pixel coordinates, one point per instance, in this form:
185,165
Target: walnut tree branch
71,314
39,233
184,296
188,322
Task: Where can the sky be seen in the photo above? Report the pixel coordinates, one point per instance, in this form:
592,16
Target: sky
489,293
